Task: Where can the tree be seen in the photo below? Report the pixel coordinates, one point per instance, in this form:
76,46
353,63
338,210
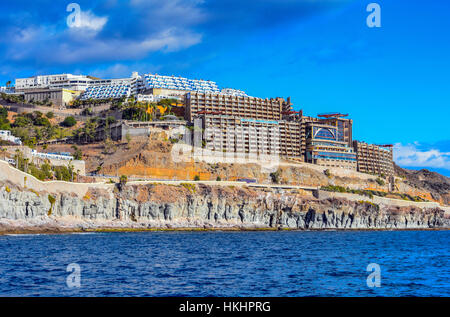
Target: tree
196,178
275,177
128,137
109,146
69,122
77,155
49,115
122,181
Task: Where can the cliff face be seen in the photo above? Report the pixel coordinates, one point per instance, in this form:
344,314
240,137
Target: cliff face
201,206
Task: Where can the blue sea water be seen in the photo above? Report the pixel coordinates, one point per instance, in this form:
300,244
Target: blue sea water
412,263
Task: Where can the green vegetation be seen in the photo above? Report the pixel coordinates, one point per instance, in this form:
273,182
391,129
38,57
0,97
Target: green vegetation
196,178
108,146
188,186
32,127
45,171
380,181
12,98
218,179
275,176
50,115
123,180
52,201
69,122
4,122
327,173
371,193
146,111
77,155
377,207
87,132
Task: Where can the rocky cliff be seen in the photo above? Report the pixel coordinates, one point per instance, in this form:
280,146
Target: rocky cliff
202,206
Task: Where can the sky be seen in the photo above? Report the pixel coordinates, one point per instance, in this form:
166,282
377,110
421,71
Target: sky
392,80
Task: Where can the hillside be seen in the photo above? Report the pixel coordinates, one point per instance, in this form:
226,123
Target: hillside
438,185
150,158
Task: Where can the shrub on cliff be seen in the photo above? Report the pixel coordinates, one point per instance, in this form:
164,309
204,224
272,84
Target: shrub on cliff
122,181
275,177
52,201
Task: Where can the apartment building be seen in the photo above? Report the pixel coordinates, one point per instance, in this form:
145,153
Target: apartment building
114,88
223,133
66,81
57,96
179,83
237,106
324,148
374,159
344,128
238,135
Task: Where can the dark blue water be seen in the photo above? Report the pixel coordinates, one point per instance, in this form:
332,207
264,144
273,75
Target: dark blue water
413,263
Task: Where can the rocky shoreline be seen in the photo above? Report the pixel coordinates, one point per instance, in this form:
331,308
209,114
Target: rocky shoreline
153,207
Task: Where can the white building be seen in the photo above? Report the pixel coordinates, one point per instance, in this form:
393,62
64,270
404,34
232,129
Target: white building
159,86
54,156
179,83
233,92
7,90
113,88
155,98
67,81
7,136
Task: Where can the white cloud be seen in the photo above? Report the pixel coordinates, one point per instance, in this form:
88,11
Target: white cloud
125,33
92,22
411,155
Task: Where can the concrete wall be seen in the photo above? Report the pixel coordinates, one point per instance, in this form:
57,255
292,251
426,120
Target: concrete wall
19,178
26,151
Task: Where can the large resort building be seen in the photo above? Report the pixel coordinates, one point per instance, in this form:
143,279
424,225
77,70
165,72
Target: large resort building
324,147
230,120
374,159
231,105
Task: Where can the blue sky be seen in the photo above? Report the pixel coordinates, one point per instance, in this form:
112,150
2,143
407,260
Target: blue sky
393,81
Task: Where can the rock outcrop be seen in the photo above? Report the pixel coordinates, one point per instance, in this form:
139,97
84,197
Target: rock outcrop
203,206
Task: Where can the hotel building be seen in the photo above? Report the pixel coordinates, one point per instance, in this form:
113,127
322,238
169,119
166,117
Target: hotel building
324,147
374,159
237,106
66,81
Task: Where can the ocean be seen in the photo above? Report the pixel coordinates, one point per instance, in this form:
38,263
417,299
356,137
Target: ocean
294,263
